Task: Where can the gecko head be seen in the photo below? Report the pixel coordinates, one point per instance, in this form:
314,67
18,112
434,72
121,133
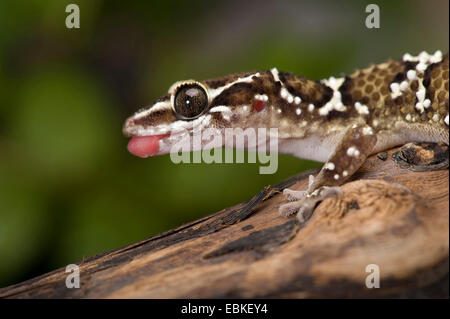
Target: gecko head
190,106
155,128
170,119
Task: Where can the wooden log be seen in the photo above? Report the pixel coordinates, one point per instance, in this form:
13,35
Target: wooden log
393,214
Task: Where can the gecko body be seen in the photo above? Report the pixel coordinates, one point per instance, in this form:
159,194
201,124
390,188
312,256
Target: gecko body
339,120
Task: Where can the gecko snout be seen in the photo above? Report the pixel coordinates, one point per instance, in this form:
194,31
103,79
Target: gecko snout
128,126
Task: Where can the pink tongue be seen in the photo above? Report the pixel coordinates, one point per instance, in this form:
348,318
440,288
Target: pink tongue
145,146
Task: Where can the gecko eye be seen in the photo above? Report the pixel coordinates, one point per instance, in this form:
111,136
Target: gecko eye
190,101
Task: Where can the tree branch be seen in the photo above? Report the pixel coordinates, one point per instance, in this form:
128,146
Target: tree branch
394,214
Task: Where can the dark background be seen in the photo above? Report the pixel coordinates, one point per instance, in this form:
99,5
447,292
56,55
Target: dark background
68,186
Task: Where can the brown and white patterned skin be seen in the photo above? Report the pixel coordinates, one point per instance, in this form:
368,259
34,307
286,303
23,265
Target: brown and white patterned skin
339,121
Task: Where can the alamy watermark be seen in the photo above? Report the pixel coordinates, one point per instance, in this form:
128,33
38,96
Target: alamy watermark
263,141
73,18
373,279
73,279
373,19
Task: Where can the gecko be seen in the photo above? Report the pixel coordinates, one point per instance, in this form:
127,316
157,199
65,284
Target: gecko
339,121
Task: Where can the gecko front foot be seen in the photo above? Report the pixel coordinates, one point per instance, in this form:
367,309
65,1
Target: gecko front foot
304,202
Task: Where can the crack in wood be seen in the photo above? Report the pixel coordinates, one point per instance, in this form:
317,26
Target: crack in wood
261,241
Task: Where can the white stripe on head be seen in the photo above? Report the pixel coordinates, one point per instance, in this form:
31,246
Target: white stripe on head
213,93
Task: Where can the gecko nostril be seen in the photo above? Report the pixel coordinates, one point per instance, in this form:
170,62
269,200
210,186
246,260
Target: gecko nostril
126,129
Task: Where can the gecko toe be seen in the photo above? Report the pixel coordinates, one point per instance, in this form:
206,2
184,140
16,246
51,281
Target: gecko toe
304,213
294,195
304,209
289,209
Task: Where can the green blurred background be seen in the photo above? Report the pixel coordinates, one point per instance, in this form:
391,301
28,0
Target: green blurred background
69,188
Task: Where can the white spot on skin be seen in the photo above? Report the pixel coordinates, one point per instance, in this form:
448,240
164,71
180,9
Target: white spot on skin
361,108
404,86
274,72
446,120
311,107
298,111
344,173
297,100
338,106
407,57
395,89
329,166
262,97
421,94
419,107
245,108
324,110
421,67
367,130
284,93
336,177
437,57
353,151
436,117
421,98
423,56
408,117
279,111
427,103
411,75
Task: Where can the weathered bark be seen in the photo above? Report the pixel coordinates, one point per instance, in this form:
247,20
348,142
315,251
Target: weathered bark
391,215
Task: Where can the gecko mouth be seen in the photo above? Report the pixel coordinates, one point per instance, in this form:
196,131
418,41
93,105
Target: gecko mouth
145,146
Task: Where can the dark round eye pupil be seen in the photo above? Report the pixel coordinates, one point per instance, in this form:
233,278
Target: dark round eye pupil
190,101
